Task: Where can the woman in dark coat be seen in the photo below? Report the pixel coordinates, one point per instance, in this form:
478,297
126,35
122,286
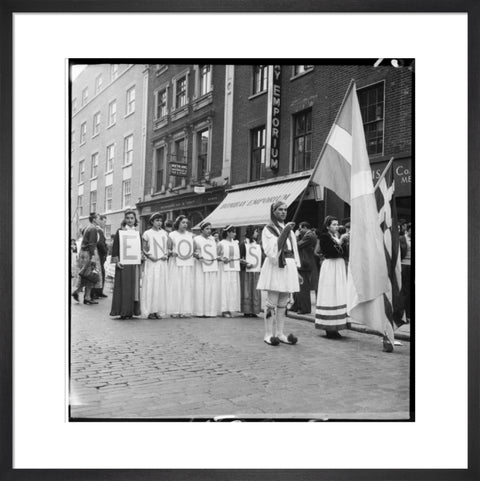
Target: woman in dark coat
126,289
250,295
306,242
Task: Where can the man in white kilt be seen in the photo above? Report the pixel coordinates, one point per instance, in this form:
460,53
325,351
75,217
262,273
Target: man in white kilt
279,275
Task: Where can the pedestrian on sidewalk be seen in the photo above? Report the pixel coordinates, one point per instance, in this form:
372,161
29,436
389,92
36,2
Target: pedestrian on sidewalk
251,301
279,275
126,287
331,309
88,254
153,299
229,272
406,256
306,242
206,293
102,253
180,270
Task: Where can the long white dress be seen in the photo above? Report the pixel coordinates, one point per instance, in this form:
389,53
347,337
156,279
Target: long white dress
272,277
206,295
229,276
155,274
180,277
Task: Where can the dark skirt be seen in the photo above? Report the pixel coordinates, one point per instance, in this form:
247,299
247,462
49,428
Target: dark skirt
126,291
250,296
302,300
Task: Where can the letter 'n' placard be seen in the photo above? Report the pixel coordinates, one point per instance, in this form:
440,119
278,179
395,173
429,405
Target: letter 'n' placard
130,247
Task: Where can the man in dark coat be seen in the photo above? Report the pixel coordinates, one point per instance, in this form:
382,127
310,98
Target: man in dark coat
306,241
102,252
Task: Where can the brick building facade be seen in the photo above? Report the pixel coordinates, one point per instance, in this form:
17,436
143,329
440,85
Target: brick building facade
188,124
107,142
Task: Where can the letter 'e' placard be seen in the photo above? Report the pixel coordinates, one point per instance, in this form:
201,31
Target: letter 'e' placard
254,256
130,250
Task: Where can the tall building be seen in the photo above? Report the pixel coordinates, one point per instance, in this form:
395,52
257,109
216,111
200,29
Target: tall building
107,142
188,140
282,115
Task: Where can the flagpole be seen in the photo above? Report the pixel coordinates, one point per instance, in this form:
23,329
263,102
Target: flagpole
384,173
315,167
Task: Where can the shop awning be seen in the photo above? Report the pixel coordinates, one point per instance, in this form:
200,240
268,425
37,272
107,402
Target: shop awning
252,206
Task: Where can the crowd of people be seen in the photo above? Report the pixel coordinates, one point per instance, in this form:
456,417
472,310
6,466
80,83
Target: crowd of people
213,274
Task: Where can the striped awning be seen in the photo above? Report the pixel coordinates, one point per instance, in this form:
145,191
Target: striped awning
252,206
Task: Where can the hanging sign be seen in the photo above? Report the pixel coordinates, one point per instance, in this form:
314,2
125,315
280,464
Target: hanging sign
273,117
178,169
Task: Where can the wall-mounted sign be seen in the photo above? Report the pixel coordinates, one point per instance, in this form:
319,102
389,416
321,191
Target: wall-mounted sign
402,171
178,169
273,117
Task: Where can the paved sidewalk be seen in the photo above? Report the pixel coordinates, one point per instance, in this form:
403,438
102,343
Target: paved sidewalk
202,368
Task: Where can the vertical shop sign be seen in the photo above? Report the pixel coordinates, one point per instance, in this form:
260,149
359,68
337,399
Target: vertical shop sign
273,117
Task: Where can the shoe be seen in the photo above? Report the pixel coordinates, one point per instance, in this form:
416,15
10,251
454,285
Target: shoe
226,314
75,296
291,339
102,295
86,301
397,343
152,316
387,345
273,341
334,335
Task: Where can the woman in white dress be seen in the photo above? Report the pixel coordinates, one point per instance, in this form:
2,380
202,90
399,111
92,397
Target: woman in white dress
180,269
279,275
331,310
229,272
155,274
206,296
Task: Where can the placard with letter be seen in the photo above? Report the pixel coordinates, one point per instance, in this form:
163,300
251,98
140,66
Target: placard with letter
130,247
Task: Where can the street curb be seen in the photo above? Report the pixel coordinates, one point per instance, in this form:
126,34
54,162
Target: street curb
353,326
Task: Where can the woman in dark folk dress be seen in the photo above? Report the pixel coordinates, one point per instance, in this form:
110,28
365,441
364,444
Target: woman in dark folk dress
250,295
126,289
331,311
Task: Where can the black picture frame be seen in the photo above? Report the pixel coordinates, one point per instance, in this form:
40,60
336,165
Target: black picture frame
472,7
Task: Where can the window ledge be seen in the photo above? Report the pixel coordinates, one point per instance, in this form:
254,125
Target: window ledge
161,70
111,125
95,135
180,113
82,143
129,114
294,77
80,183
258,94
203,101
160,123
108,172
127,165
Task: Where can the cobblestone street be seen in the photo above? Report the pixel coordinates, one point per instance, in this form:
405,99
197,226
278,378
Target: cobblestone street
209,367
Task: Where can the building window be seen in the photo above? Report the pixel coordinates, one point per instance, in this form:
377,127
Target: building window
181,92
260,78
84,96
98,83
96,124
110,158
205,79
126,193
113,71
130,101
302,141
108,198
112,112
257,157
94,168
81,170
80,205
299,69
128,150
372,105
83,133
159,168
161,109
93,201
74,105
179,156
203,138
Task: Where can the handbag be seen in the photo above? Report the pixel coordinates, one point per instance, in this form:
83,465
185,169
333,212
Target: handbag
89,273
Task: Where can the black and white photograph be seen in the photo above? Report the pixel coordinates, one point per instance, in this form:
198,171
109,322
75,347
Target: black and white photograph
241,240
